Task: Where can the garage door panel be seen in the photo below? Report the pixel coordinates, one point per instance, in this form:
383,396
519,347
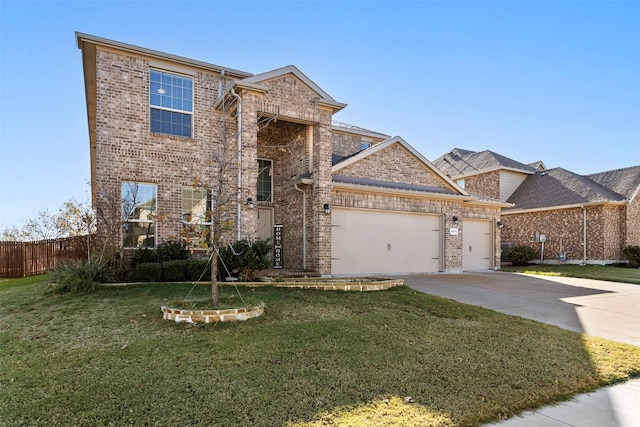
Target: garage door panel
477,239
369,242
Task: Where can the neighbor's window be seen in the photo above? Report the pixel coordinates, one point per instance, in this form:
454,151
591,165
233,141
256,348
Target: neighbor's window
139,208
171,99
265,188
196,216
364,144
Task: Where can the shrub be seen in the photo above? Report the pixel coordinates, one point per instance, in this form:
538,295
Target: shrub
174,270
170,250
244,258
198,269
632,254
78,276
520,255
147,272
142,255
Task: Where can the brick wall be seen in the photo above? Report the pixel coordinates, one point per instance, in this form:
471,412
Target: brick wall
393,164
487,184
126,150
564,231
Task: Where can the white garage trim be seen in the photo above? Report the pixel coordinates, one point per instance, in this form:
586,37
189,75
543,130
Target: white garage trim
372,241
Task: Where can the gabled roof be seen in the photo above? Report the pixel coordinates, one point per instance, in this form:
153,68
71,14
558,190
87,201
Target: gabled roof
324,97
385,144
460,163
560,187
624,181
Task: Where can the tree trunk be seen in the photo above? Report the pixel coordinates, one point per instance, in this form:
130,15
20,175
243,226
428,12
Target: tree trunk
215,300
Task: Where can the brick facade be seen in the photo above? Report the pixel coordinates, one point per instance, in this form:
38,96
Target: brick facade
564,229
283,119
487,184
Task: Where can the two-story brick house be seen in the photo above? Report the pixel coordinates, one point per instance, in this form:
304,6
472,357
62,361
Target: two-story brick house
346,200
581,219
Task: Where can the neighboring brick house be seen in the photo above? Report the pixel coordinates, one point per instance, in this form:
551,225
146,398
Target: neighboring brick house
582,219
345,200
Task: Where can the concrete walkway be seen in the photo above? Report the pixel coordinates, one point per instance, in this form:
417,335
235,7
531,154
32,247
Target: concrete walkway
604,309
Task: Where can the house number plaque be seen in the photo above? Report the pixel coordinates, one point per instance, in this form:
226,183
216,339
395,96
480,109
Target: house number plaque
277,246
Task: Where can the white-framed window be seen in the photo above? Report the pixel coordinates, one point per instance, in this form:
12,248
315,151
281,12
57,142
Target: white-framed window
139,212
171,102
197,208
265,181
364,144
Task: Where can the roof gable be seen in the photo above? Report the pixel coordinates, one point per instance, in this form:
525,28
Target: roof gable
353,167
560,187
292,70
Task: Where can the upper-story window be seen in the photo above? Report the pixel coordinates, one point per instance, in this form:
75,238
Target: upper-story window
265,187
171,99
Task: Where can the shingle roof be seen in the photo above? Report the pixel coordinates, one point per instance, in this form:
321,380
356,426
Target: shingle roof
624,181
391,185
459,163
560,187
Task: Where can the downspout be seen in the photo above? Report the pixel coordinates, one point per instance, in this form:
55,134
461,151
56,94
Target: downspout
239,204
584,235
304,226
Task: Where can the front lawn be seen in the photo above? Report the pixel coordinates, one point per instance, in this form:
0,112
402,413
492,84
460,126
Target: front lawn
314,358
610,273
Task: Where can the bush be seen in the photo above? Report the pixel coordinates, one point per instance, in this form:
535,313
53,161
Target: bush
142,255
520,255
198,269
244,258
632,254
170,250
78,276
174,271
147,272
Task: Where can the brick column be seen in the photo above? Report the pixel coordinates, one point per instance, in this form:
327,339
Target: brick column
321,248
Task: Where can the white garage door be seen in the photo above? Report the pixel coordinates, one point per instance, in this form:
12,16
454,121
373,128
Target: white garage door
476,245
365,241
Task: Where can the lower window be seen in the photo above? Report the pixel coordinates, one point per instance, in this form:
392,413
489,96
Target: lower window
139,211
196,217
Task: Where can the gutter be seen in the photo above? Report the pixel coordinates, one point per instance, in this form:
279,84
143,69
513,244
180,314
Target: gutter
239,154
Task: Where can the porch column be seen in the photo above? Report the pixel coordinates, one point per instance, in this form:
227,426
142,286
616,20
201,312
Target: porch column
322,147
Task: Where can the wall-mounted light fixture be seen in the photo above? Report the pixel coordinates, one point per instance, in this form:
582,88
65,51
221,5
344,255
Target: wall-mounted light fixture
455,219
250,203
499,224
327,208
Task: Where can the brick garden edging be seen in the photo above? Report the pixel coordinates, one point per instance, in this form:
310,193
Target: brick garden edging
240,314
353,285
210,316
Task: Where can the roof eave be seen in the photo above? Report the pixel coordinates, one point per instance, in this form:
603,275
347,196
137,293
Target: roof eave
82,37
562,207
398,191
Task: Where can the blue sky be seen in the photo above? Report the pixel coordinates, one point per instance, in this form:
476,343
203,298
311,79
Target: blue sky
551,81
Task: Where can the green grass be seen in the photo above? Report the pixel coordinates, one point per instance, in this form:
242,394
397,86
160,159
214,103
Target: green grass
610,273
314,358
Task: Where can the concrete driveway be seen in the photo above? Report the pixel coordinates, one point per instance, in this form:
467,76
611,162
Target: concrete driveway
604,309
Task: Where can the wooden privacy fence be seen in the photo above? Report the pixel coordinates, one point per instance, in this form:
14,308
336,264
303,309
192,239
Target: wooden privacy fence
19,259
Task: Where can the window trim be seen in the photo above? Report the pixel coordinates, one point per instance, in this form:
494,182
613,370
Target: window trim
270,199
171,109
127,220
